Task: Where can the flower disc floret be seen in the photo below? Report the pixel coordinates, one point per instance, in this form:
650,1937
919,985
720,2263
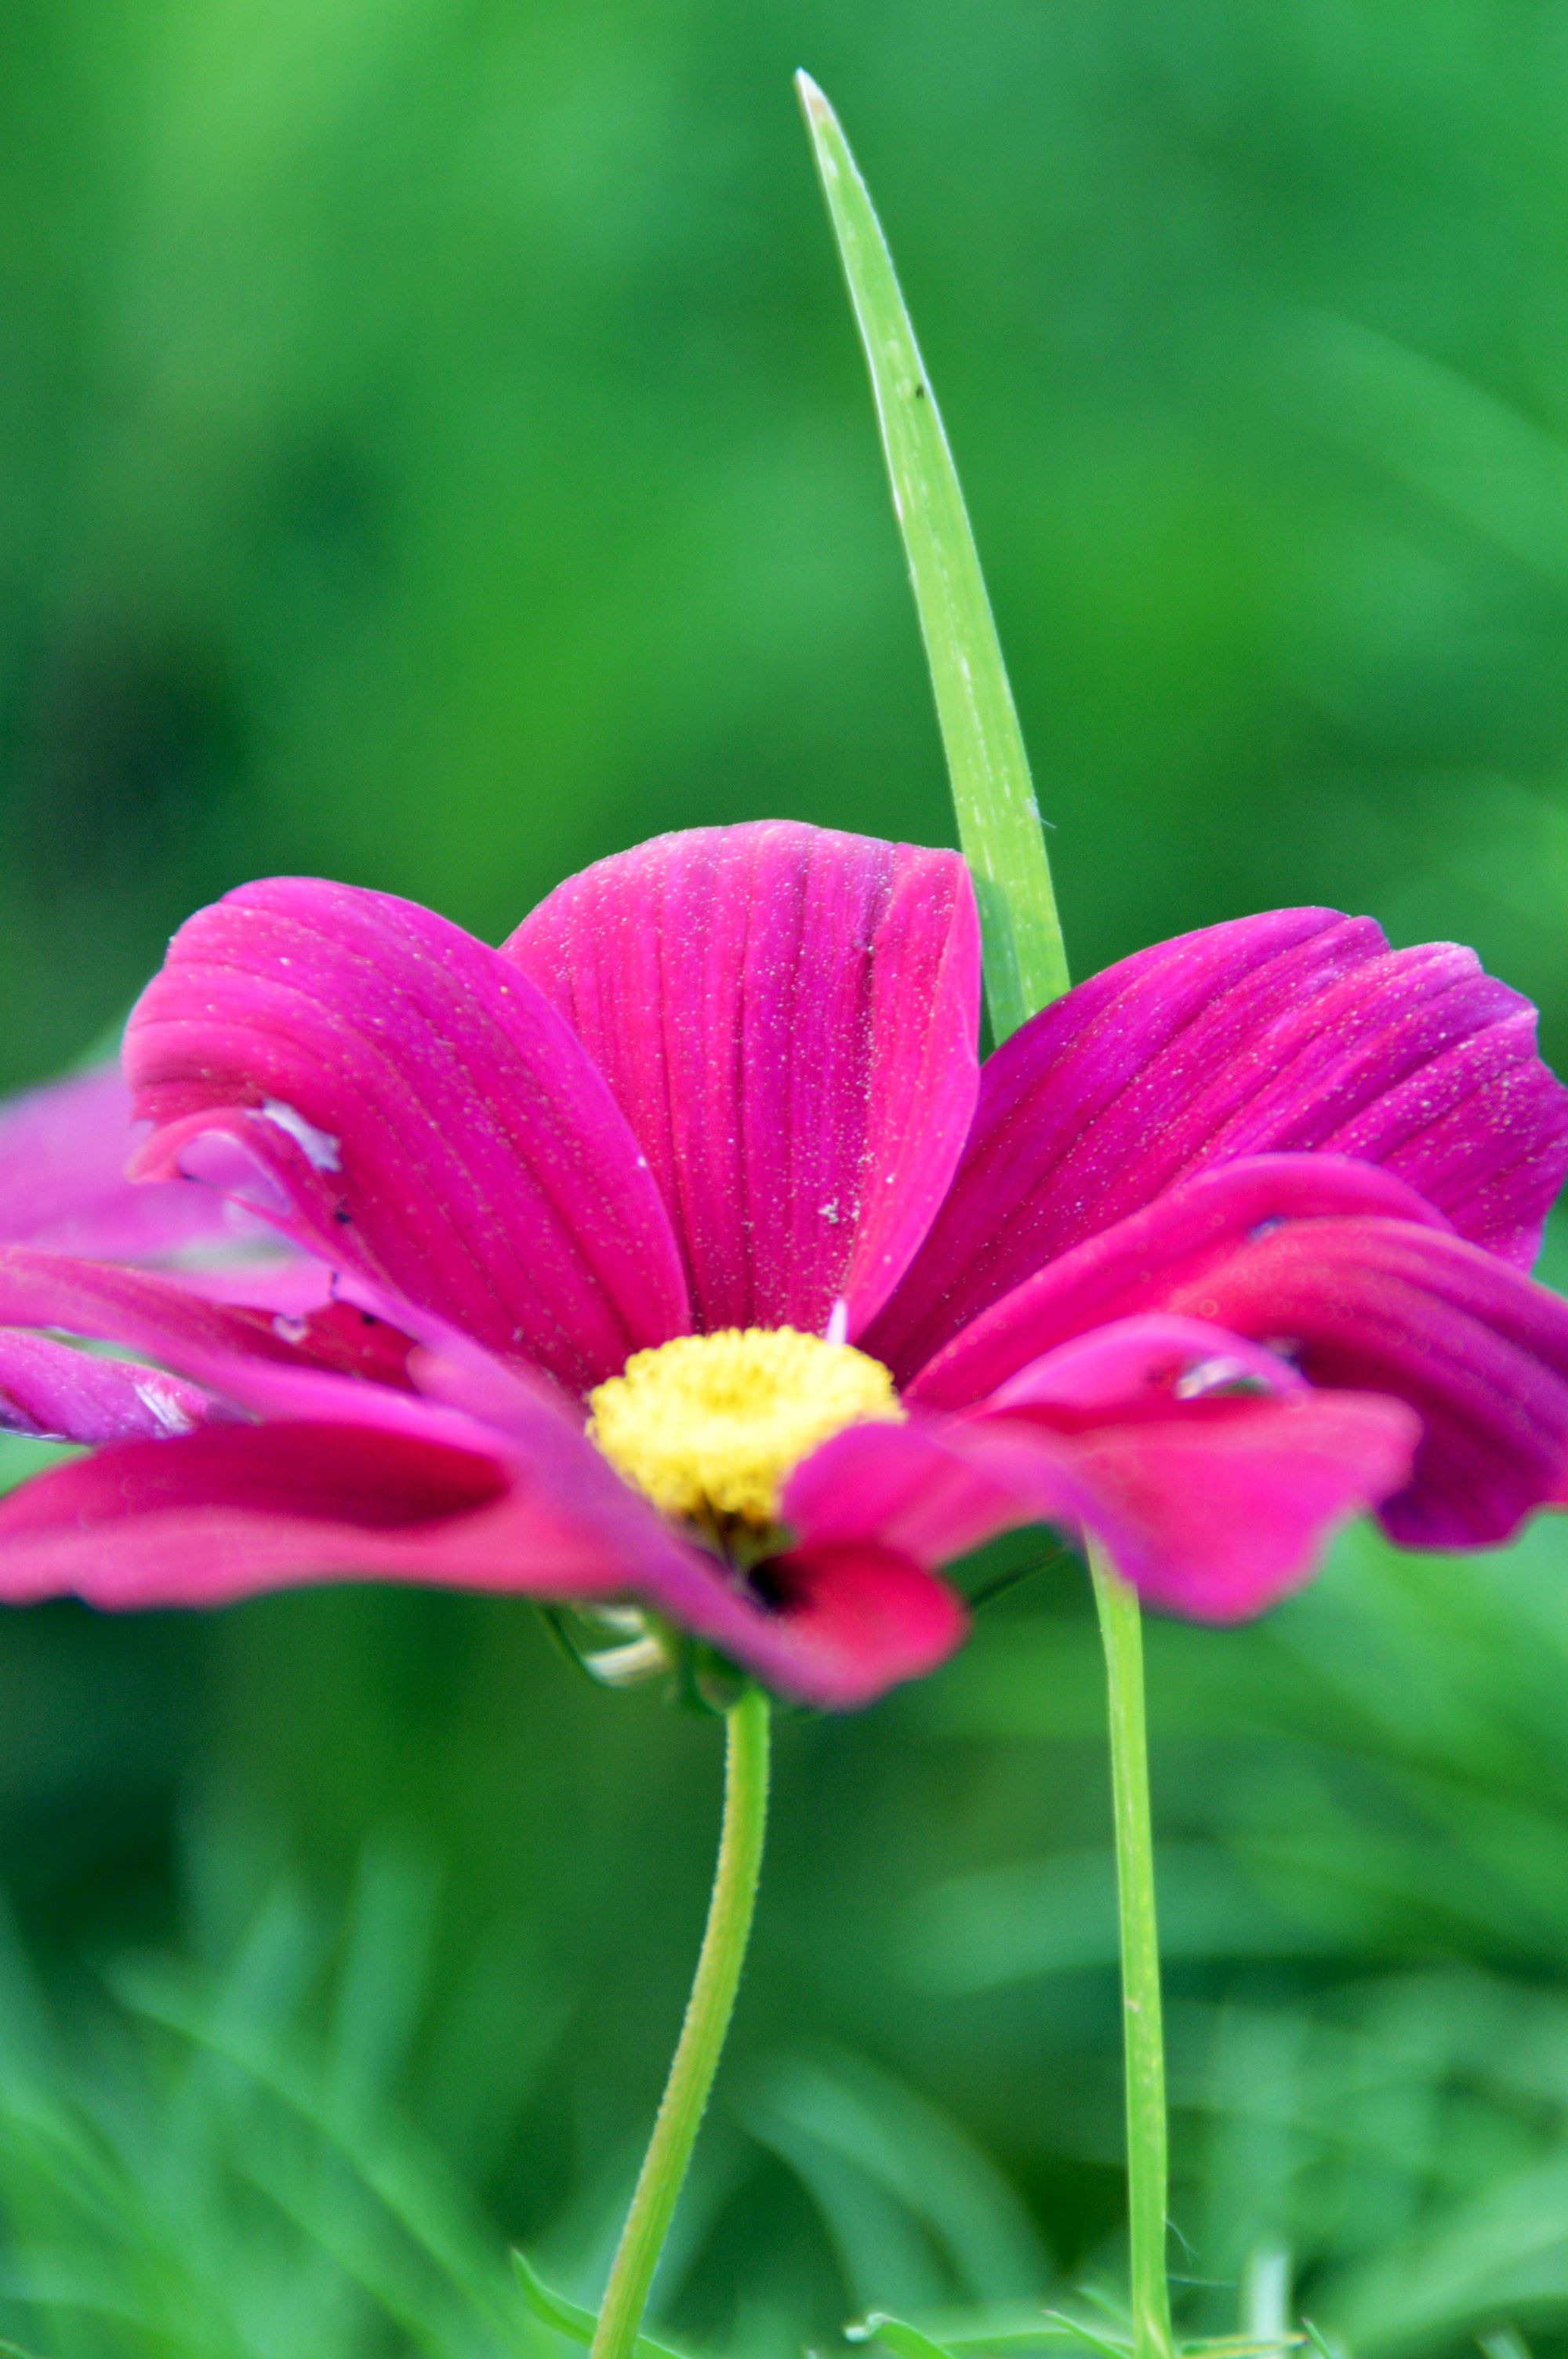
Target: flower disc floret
707,1427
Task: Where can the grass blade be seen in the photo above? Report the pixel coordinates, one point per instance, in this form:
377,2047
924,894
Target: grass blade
897,2335
998,821
1101,2343
569,2317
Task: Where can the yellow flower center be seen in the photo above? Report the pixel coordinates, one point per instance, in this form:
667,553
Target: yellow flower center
709,1426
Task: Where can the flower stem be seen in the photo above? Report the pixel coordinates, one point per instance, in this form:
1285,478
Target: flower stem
1121,1630
701,2042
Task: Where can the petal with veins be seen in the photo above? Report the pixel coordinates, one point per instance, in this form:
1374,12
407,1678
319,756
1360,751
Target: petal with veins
787,1017
402,1102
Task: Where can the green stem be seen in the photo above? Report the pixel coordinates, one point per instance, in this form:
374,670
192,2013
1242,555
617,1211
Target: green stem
701,2041
1121,1630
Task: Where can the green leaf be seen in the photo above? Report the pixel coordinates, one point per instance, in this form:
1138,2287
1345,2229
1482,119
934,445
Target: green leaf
569,2317
999,820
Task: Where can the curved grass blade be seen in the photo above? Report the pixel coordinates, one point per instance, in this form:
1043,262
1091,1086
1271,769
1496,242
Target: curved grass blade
998,821
569,2317
1101,2343
897,2335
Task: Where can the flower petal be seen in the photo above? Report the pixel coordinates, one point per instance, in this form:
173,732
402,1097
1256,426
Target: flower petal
288,1284
398,1098
150,1312
1358,1294
902,1487
857,1619
144,1310
233,1509
1218,1508
1135,1265
63,1152
787,1018
1213,1502
1296,1030
919,1487
1132,1366
1477,1349
51,1389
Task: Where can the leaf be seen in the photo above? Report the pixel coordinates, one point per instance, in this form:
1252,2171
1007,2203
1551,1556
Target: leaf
999,820
1100,2342
569,2317
898,2335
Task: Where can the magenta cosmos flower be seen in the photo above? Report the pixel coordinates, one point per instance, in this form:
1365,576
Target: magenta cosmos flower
680,1253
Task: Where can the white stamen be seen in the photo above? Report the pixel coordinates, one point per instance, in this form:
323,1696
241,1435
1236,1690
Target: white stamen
839,1322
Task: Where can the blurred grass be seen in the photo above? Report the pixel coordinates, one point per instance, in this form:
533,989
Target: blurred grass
433,450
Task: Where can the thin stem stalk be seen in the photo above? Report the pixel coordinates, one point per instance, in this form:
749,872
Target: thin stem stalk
701,2042
1121,1630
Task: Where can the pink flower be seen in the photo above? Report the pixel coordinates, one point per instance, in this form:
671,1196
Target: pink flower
1224,1247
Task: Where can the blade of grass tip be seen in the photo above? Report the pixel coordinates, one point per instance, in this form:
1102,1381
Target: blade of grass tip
999,820
1320,2342
979,2328
895,2334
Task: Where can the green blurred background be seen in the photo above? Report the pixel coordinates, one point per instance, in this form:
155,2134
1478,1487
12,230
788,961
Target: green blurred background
434,451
